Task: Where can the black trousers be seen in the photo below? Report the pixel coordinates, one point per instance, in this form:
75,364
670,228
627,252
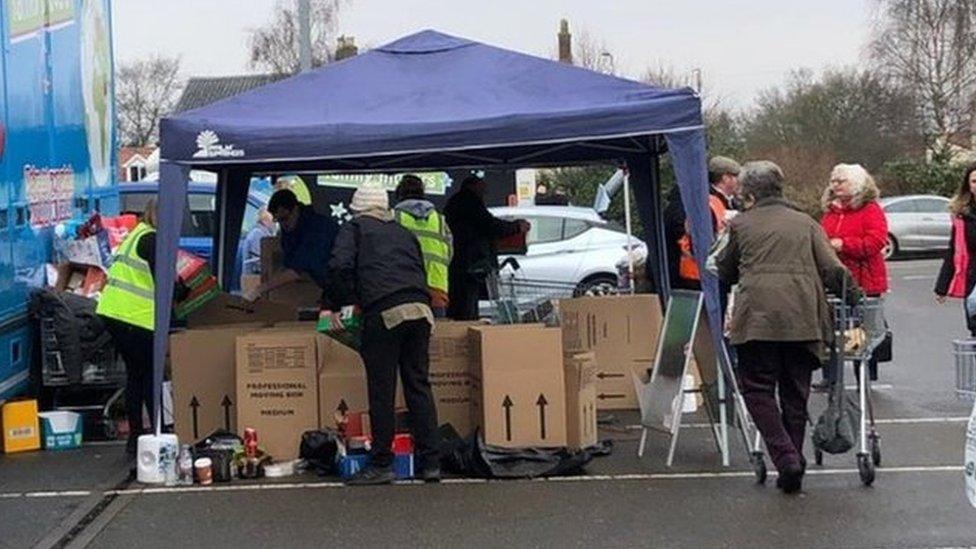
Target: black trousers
135,344
464,290
404,348
766,368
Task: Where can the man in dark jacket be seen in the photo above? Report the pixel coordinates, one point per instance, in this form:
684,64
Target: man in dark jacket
474,230
306,241
781,261
377,265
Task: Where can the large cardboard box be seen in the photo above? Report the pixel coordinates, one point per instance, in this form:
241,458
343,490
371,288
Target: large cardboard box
227,309
271,257
277,389
203,363
298,295
622,332
342,382
581,426
451,359
519,394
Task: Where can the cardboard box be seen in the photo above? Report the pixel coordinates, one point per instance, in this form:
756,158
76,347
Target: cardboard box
451,360
271,257
342,381
277,389
298,295
21,429
581,426
226,309
61,430
520,399
203,363
622,332
249,282
304,293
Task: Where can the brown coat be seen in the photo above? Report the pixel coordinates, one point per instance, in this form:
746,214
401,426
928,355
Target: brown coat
781,261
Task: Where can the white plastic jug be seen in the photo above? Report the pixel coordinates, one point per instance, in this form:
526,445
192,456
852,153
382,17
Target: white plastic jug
970,458
156,457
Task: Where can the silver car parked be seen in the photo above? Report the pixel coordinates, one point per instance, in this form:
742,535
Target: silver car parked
917,223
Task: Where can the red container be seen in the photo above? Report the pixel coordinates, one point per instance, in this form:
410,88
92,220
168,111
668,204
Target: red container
402,444
512,245
250,443
356,423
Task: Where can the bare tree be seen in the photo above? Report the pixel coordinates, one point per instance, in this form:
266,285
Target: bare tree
145,91
592,53
274,48
929,47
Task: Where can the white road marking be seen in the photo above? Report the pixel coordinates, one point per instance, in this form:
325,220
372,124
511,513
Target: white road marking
918,277
462,481
894,421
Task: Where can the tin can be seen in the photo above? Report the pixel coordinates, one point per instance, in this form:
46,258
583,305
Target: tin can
250,442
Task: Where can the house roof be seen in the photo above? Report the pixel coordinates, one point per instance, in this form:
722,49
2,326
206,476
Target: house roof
128,153
202,91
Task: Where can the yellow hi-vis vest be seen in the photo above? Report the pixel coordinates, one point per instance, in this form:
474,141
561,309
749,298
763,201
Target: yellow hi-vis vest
434,243
129,294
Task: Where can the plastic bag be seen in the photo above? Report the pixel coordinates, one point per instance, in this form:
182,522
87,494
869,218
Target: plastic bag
838,428
320,449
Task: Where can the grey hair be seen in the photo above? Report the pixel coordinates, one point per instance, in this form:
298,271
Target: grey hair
761,179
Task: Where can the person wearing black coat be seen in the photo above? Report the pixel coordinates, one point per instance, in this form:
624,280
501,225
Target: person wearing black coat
474,230
951,283
378,265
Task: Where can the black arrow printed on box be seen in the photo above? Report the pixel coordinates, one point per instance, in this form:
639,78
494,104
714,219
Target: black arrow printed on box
541,403
194,405
605,396
507,404
602,375
342,408
226,404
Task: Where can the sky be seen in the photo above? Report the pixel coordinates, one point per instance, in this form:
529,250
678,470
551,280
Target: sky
741,47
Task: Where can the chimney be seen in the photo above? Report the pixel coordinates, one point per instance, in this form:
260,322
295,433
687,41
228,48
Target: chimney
345,48
565,42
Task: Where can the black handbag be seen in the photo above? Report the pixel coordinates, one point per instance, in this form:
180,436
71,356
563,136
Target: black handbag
882,353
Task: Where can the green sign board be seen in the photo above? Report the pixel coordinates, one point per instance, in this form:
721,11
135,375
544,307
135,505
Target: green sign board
435,183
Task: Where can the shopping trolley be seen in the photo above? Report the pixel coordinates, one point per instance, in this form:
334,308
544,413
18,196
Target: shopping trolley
964,353
858,330
517,300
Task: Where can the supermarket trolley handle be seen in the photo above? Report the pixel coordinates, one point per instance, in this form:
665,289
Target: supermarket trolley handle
510,262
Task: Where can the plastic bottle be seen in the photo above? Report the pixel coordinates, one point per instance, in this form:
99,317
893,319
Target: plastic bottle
185,466
168,461
970,458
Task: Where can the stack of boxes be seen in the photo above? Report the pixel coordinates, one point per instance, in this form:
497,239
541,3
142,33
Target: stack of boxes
622,333
520,385
195,274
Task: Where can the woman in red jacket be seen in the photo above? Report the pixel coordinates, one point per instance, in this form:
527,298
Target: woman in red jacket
858,231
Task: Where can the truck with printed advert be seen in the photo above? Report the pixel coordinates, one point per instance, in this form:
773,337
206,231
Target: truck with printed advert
57,149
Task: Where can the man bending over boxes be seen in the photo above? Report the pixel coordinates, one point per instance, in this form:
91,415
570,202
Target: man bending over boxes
378,265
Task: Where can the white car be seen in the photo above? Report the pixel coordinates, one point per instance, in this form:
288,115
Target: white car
569,246
916,223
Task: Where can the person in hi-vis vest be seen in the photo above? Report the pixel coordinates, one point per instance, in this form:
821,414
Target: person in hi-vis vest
418,215
127,305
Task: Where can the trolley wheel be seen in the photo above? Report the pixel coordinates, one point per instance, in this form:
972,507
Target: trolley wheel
759,466
876,451
818,457
865,467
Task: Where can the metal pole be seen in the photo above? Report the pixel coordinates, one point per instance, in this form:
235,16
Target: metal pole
304,35
664,291
630,233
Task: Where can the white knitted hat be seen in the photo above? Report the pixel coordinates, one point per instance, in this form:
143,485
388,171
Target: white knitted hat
370,197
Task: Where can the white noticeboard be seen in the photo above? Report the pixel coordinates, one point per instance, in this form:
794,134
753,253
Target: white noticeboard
662,399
